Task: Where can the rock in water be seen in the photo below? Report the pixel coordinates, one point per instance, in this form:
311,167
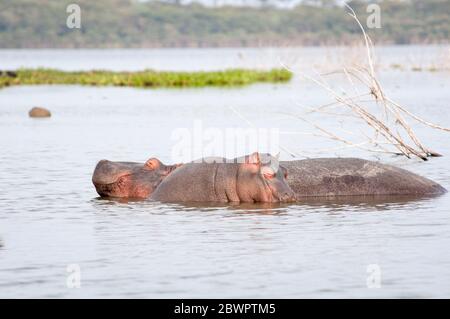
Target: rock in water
39,112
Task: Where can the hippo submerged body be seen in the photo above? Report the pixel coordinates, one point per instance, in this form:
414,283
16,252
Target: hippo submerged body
353,177
256,178
321,177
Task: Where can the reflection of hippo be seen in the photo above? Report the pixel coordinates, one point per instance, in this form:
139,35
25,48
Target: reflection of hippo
256,178
127,179
352,176
307,178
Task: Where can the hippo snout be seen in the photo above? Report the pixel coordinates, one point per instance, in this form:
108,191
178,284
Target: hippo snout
281,192
106,172
287,196
129,179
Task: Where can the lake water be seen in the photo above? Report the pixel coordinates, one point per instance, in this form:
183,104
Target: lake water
51,221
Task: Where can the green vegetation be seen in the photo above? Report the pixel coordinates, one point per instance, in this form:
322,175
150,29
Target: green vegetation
137,24
235,77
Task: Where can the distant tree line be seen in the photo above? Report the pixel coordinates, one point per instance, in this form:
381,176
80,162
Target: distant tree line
135,24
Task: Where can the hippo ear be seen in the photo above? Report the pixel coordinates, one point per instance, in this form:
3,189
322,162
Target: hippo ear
253,159
153,164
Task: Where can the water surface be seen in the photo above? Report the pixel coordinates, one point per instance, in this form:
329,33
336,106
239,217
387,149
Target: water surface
50,216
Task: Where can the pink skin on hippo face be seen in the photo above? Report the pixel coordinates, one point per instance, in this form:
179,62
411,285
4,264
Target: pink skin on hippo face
128,179
262,179
253,178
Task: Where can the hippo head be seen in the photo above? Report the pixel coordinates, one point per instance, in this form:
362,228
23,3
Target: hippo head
262,179
128,179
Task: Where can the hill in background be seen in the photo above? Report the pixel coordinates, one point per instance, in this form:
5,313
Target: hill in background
135,24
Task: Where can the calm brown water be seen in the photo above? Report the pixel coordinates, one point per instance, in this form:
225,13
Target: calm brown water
50,216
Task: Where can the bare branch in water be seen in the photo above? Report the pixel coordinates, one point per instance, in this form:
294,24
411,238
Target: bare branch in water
388,129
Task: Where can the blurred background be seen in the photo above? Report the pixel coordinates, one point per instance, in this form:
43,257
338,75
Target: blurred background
216,23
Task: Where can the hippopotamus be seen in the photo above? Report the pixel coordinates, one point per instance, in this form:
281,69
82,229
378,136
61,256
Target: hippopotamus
255,178
329,177
129,179
320,177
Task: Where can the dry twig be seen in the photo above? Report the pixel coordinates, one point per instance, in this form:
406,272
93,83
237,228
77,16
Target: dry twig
389,128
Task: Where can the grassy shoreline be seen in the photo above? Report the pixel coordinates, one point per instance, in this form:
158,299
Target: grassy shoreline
145,79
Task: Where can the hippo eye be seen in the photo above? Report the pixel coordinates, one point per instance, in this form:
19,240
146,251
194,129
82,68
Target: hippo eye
269,176
268,172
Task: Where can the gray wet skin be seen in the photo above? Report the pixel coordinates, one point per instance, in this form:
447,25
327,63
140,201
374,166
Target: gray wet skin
352,177
253,178
307,178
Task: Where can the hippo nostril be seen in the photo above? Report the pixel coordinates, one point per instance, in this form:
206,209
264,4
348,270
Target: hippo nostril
288,197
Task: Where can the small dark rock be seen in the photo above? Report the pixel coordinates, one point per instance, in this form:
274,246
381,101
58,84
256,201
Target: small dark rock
39,112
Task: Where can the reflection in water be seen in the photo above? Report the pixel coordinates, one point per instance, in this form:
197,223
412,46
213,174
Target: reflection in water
200,207
337,203
113,200
366,202
238,208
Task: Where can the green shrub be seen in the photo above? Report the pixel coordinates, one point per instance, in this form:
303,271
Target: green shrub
147,78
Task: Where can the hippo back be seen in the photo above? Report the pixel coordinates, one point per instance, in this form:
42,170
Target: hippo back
352,176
